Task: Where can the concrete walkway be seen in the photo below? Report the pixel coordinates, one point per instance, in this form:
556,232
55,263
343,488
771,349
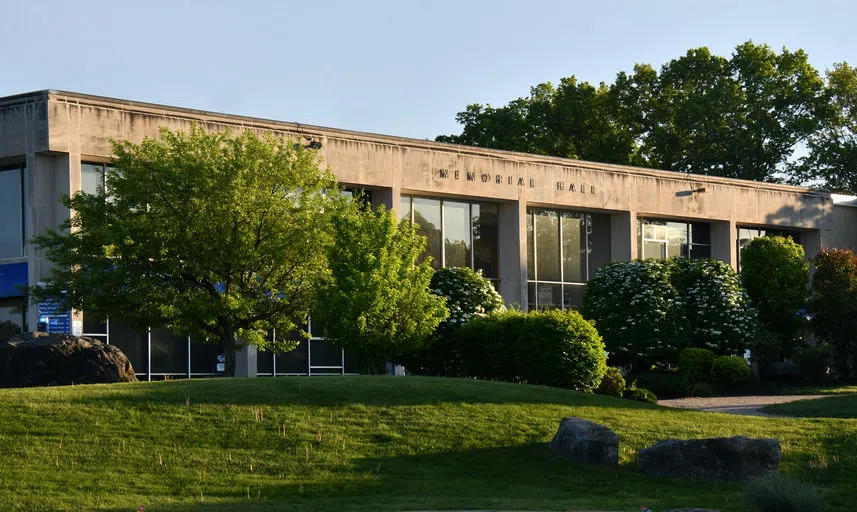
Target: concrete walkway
746,405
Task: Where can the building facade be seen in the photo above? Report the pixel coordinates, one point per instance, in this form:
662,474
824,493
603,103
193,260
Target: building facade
537,226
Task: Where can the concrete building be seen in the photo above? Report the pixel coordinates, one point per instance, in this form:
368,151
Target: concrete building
538,226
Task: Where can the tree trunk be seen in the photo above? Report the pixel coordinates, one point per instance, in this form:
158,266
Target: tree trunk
229,353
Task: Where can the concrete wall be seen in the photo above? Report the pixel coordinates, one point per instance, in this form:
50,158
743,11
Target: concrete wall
83,125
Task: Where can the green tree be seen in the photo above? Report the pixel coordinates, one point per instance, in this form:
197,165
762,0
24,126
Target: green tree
834,305
215,236
739,117
832,150
377,304
774,273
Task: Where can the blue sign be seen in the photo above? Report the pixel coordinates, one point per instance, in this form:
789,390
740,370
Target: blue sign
53,319
12,278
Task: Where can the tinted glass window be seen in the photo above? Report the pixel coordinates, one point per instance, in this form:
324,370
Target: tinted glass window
456,234
11,214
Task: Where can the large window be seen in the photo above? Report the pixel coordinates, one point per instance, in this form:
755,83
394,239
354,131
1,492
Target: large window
559,247
661,239
12,234
460,233
93,177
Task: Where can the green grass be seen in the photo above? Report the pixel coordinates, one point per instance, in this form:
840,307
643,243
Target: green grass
835,406
365,443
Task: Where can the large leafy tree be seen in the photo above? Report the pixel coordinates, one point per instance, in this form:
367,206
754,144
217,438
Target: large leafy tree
376,303
213,235
739,117
832,150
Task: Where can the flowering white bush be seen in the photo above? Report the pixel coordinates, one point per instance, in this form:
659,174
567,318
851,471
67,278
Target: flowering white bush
647,311
716,306
467,294
637,311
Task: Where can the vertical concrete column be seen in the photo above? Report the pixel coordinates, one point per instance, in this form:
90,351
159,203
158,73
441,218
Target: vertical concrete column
623,236
48,178
811,242
724,242
512,253
245,361
600,242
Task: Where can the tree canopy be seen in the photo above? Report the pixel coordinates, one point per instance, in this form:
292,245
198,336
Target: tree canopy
215,236
376,303
752,115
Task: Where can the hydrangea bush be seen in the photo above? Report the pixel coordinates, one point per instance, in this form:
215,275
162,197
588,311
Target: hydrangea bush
648,310
716,306
637,311
468,295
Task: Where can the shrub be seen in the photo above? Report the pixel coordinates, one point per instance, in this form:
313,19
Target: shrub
729,372
695,363
555,348
640,395
775,276
637,310
715,304
612,384
815,364
664,384
834,305
648,310
772,492
468,295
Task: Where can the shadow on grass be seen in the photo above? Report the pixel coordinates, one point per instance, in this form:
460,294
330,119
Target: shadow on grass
334,391
528,477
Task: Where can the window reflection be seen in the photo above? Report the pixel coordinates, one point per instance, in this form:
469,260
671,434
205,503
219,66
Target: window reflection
559,249
456,234
660,239
459,233
427,217
12,213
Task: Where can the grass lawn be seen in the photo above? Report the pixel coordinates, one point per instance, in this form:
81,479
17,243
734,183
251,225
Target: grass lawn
835,406
365,443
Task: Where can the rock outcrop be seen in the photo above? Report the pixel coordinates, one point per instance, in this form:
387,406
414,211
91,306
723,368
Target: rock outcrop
586,441
720,458
42,359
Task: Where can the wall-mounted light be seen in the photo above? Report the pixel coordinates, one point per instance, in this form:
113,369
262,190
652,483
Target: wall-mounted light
685,193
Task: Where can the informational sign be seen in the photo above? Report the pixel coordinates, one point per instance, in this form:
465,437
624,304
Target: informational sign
221,362
53,319
77,328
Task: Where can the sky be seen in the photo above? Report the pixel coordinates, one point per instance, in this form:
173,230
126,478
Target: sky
400,67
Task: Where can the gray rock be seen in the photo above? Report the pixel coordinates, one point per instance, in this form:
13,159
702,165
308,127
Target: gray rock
586,441
42,359
721,458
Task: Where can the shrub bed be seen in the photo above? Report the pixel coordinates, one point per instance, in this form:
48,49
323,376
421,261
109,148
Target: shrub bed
555,348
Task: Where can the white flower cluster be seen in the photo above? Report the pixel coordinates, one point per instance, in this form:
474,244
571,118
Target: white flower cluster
467,293
651,309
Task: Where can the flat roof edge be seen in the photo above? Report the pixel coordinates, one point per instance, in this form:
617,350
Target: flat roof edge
420,143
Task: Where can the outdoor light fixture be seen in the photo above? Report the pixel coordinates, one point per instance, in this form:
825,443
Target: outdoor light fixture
314,144
685,193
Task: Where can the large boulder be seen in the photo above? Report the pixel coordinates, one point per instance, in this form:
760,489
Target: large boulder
42,359
586,441
720,458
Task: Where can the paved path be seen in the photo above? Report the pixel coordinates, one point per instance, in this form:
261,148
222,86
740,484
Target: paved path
746,405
